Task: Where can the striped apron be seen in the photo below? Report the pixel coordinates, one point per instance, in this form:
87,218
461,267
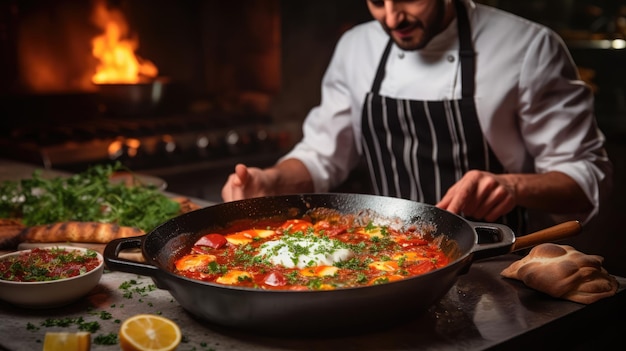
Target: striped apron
418,149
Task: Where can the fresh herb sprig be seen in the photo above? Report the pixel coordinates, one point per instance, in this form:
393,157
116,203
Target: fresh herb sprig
89,196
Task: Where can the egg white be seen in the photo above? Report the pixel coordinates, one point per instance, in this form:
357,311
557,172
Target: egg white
301,252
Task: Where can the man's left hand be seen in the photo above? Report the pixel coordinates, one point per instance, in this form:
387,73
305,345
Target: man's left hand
480,195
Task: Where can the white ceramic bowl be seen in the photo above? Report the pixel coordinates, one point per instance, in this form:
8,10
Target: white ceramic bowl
54,293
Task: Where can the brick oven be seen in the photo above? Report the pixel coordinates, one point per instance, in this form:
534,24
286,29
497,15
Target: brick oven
209,84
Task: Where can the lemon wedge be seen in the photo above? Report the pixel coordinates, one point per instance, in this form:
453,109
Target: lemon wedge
62,341
148,332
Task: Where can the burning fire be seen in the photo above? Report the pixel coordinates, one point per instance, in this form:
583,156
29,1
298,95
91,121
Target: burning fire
116,50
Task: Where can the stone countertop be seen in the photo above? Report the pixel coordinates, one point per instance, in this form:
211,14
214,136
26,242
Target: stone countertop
481,311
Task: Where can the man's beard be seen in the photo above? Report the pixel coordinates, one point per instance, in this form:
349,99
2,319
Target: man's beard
410,44
427,32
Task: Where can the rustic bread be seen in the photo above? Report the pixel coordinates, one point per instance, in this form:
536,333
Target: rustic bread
79,232
13,232
563,272
9,230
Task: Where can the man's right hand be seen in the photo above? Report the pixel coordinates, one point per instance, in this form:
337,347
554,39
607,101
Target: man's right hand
287,177
247,182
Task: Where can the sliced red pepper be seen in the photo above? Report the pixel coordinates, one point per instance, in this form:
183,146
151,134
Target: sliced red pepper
275,279
215,241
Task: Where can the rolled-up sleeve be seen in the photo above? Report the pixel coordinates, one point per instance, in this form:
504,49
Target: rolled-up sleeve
328,148
558,122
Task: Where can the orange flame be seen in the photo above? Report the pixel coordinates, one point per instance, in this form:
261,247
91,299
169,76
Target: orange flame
116,51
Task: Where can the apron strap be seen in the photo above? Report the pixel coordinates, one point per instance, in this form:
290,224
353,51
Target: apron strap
466,51
380,73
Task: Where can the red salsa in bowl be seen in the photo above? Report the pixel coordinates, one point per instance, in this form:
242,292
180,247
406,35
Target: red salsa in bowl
50,276
44,264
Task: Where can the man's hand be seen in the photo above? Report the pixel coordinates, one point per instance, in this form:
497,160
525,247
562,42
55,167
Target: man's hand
480,195
288,176
487,196
247,182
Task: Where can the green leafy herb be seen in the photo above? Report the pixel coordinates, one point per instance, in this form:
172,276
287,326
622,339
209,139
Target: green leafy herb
91,327
88,197
108,339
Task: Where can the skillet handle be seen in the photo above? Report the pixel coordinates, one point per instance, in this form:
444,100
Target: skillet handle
554,233
115,263
503,238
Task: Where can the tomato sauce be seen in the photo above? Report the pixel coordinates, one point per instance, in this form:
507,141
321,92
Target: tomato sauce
45,264
303,254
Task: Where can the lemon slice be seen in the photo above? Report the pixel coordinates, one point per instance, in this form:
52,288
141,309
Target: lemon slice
148,332
80,341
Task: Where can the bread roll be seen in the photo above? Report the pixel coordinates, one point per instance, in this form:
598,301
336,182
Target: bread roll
83,232
13,232
563,272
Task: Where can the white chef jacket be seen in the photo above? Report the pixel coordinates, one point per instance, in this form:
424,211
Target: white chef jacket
535,112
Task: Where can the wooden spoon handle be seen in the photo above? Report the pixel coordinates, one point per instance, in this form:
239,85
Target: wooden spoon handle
554,233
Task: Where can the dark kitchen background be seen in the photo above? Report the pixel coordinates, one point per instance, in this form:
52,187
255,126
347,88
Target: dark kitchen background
222,82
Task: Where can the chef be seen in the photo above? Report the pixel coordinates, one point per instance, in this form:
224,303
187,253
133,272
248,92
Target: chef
456,104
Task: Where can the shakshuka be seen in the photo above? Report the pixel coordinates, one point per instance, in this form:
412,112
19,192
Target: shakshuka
306,254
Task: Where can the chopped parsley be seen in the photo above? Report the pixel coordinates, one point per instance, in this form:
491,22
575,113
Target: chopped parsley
86,197
107,339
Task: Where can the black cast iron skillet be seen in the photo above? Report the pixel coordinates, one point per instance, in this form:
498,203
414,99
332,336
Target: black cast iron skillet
289,311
